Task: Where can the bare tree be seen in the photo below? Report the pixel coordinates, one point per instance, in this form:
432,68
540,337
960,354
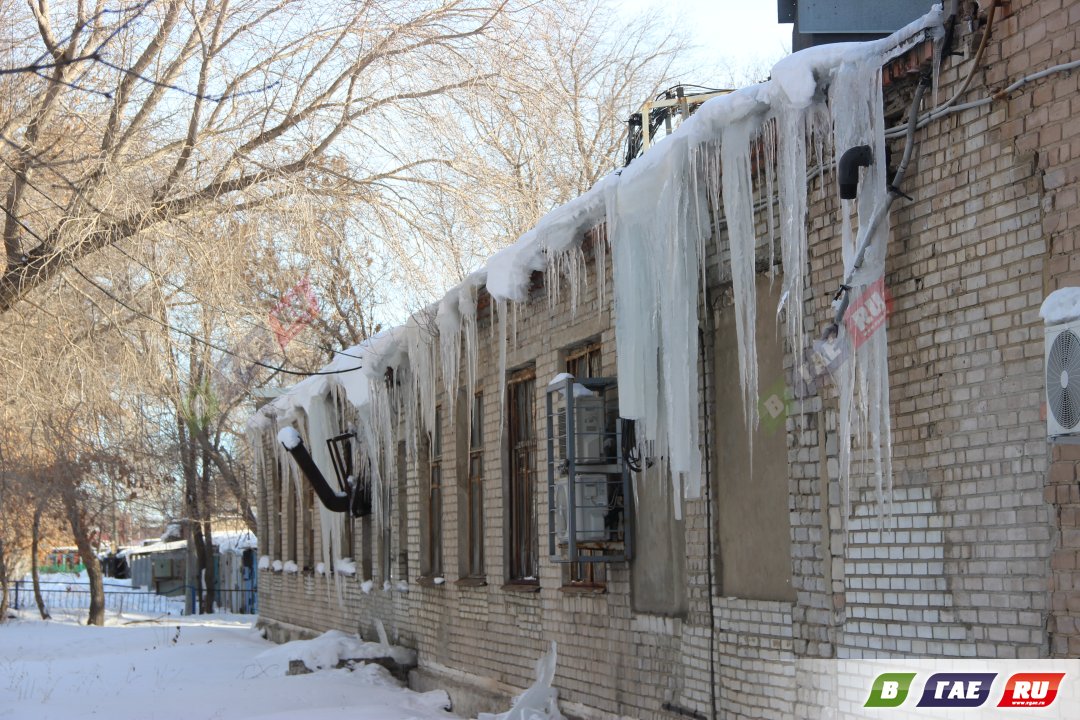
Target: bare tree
192,111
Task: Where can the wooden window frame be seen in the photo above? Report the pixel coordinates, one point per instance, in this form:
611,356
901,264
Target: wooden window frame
432,565
339,401
523,550
277,482
474,502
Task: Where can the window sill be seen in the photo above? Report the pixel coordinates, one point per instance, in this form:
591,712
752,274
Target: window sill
583,589
522,586
426,581
471,582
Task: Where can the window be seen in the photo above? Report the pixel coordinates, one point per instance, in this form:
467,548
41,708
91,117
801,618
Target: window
278,519
431,563
348,452
521,493
752,521
402,514
585,362
309,527
474,492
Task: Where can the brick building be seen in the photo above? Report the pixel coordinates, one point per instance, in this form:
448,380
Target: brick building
756,558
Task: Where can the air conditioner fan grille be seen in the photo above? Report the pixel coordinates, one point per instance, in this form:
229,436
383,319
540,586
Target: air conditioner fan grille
1063,380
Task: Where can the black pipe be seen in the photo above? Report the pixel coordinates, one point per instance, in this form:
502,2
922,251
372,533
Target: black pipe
847,170
330,499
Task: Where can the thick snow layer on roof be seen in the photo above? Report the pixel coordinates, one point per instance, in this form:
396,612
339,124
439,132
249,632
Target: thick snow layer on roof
157,548
1061,306
235,541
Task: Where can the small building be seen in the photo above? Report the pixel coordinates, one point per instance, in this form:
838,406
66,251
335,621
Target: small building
162,567
159,567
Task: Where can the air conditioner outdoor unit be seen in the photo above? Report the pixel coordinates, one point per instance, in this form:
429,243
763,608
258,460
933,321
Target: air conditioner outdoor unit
1063,379
589,429
588,437
590,508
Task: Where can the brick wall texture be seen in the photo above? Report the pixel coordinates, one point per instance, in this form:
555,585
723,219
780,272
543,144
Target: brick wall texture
980,555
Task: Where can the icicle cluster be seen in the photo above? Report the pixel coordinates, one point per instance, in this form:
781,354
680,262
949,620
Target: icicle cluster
657,217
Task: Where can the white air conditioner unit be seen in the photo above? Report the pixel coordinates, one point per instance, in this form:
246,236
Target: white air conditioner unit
590,504
589,429
1063,379
588,436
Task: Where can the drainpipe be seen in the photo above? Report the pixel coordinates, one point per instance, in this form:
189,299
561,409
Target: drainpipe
843,295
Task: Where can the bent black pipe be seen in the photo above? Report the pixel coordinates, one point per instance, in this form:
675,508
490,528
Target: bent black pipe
330,499
847,170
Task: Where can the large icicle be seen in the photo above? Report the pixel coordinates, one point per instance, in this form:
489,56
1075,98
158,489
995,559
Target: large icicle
655,233
856,104
448,319
738,188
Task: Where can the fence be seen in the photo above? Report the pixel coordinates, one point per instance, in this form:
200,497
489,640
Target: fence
73,596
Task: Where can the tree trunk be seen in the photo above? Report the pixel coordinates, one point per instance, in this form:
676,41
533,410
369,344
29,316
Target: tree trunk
93,568
208,566
200,564
34,537
3,585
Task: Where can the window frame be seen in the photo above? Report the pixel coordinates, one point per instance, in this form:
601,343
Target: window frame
431,565
523,551
590,576
474,492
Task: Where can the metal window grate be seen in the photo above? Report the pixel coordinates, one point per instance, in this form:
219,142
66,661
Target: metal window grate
588,479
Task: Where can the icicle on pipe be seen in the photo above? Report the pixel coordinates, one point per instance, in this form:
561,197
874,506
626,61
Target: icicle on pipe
856,104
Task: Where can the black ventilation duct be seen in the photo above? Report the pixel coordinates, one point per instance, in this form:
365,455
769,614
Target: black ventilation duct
353,498
847,169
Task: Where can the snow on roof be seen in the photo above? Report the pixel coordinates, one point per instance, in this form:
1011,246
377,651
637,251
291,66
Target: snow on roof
157,547
235,541
226,541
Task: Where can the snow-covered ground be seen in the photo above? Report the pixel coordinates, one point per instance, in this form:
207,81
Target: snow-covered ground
184,668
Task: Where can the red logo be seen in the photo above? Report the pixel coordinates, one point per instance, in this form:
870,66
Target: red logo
1031,690
868,312
297,308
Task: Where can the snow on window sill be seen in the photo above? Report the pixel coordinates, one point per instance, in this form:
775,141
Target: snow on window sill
471,582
